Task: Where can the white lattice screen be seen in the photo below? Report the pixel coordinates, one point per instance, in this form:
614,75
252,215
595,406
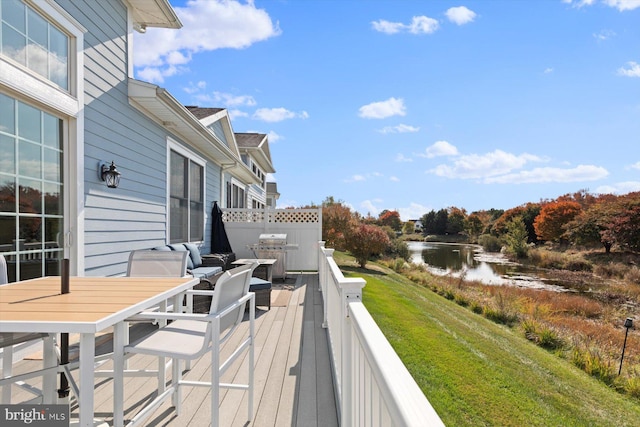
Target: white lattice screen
303,227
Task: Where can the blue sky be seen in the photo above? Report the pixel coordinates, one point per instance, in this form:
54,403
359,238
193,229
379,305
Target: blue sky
417,105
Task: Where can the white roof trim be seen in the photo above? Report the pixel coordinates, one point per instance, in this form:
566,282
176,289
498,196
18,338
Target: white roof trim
159,105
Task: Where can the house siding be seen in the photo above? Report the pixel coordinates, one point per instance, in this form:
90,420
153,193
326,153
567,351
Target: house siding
133,216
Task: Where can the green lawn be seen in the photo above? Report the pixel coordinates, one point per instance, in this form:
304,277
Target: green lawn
477,373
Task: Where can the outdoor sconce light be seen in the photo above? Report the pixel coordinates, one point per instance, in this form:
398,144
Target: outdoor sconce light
109,174
627,324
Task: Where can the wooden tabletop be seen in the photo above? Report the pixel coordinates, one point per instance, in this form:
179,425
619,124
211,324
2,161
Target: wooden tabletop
92,304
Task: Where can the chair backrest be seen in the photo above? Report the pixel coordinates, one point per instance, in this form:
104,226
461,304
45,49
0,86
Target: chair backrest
3,271
230,287
148,263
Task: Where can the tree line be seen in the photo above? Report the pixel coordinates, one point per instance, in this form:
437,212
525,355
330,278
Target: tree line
580,219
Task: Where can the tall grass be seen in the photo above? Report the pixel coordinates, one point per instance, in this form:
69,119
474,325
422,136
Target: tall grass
584,328
478,374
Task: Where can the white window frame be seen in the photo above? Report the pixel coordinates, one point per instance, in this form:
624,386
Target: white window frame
28,86
236,183
173,145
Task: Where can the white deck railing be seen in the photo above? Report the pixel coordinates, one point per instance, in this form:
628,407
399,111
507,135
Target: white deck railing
373,387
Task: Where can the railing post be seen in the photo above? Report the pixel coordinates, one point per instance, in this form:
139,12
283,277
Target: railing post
350,291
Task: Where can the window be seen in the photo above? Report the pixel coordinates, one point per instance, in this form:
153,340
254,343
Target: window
32,41
186,197
31,189
235,196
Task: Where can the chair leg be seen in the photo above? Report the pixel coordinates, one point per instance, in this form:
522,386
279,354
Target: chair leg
252,314
215,374
176,377
162,374
7,366
50,359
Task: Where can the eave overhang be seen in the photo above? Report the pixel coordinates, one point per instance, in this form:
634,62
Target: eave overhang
160,106
155,13
260,157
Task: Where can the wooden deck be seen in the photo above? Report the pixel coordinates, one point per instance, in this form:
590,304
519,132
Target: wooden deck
293,380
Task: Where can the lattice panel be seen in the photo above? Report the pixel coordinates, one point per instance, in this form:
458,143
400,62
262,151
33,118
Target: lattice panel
290,216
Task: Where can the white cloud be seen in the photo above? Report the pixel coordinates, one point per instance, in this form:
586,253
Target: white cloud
440,148
542,175
394,179
636,165
401,128
383,109
474,166
274,137
619,188
548,70
621,5
370,208
356,178
195,87
604,35
151,74
401,158
423,25
235,113
207,25
230,100
272,115
387,27
460,15
632,71
418,25
413,211
362,178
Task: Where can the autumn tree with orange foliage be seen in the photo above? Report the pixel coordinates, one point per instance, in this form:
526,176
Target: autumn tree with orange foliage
590,226
552,219
337,220
390,219
527,213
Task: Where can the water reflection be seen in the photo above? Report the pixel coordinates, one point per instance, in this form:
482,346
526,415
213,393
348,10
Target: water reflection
473,263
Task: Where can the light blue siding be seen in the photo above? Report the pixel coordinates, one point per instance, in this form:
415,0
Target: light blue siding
133,216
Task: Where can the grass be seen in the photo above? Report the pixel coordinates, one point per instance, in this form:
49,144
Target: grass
476,372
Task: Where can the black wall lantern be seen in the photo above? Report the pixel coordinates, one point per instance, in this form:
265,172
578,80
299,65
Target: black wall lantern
109,174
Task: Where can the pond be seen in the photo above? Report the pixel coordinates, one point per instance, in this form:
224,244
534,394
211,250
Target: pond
470,261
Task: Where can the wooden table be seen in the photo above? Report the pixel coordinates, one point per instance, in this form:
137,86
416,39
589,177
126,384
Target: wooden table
92,305
265,263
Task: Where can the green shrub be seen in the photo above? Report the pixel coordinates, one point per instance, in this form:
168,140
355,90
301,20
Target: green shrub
500,316
632,387
549,339
489,243
476,307
461,300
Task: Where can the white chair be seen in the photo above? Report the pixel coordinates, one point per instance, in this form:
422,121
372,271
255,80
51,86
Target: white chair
10,339
190,336
149,263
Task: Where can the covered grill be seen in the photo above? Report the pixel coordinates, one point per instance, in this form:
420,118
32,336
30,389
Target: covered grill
274,246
